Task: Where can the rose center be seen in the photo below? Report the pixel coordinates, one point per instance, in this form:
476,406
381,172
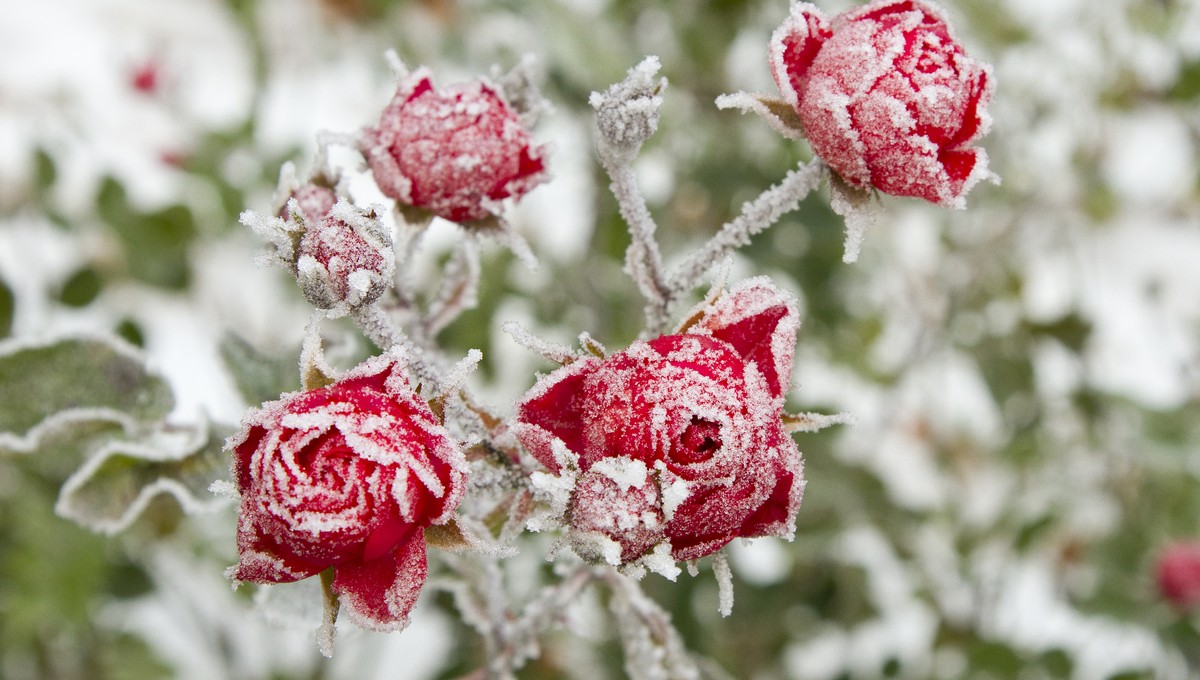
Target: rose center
699,441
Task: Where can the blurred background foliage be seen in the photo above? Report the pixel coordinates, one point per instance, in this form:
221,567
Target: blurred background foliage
1026,373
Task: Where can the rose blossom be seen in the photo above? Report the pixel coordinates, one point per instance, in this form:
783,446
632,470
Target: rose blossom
678,439
455,152
887,96
346,477
1178,575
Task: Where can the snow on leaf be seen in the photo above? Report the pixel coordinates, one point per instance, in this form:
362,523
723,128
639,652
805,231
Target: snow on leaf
116,484
72,381
775,111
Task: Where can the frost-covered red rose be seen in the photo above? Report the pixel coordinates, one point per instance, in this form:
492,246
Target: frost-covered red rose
456,152
887,96
678,440
344,258
346,477
1178,575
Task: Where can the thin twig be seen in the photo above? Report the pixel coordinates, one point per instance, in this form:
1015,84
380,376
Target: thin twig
643,259
756,216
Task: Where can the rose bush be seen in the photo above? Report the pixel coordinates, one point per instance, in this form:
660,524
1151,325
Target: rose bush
346,477
887,96
679,439
455,152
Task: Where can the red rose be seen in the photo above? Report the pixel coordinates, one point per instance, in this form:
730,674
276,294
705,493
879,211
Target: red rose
887,96
456,153
679,439
344,258
346,476
1178,573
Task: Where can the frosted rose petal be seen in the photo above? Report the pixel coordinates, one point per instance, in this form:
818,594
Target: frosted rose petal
381,593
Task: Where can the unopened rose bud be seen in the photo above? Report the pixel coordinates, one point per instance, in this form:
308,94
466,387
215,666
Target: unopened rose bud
628,112
344,259
455,152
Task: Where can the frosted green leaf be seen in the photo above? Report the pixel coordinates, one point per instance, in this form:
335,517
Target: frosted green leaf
112,489
57,385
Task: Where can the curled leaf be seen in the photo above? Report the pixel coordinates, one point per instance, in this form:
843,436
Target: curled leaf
116,484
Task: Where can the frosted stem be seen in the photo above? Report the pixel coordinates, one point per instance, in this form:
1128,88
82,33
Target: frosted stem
458,290
379,329
756,216
653,648
643,259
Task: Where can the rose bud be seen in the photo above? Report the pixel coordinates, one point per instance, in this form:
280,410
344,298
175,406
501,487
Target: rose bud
456,152
346,478
679,439
1178,575
887,96
343,259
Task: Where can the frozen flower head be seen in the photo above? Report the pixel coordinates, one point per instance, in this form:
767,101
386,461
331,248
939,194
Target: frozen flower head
887,96
345,258
678,440
346,478
1178,575
456,152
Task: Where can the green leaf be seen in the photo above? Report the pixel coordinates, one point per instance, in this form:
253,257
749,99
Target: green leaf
45,173
7,309
81,288
259,376
59,384
112,489
155,243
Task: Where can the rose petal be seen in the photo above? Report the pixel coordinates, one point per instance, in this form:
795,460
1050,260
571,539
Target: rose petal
761,322
552,405
380,594
260,558
794,46
775,516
